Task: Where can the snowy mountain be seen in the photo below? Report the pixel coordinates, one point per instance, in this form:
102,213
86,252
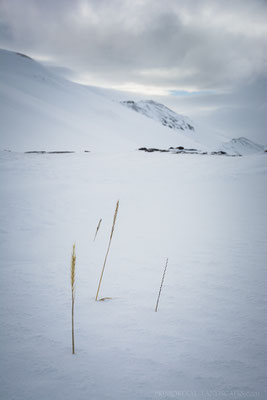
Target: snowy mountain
161,113
183,124
41,111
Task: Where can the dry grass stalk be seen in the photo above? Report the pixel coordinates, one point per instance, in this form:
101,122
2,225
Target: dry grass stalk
72,281
163,276
97,229
111,234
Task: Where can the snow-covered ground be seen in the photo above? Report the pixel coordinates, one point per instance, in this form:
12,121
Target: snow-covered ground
206,213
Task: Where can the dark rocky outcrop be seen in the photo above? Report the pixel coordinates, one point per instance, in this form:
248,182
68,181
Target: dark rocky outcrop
48,152
183,150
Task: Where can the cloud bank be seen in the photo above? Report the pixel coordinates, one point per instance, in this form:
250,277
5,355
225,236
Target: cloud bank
170,45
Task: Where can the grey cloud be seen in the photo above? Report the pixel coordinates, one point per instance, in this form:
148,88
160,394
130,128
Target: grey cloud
202,44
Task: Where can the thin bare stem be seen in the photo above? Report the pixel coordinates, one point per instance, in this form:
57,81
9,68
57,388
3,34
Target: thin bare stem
163,276
109,244
72,281
72,324
97,229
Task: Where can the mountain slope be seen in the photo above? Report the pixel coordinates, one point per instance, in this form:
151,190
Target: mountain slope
183,125
161,113
41,111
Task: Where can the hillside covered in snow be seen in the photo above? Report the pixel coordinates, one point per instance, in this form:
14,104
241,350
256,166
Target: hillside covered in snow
41,111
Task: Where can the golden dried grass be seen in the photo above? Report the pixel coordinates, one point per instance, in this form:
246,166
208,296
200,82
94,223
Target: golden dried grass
111,235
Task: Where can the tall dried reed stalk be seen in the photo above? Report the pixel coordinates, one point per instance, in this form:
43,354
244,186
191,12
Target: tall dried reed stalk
111,234
72,281
97,229
162,280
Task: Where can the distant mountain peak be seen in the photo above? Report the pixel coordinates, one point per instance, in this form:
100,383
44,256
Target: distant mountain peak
241,146
159,112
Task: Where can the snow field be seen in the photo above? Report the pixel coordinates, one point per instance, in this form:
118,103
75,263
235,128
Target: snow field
207,214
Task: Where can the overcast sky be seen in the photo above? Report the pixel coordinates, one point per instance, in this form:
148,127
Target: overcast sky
215,47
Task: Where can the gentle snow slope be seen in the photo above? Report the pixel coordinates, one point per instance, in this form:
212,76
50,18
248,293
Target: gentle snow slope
40,111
